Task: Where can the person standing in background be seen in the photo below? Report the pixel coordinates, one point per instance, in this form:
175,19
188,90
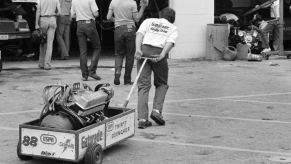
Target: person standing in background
63,29
268,27
46,13
85,12
32,48
124,13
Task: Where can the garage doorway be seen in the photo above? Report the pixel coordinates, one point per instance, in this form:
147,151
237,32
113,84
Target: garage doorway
106,28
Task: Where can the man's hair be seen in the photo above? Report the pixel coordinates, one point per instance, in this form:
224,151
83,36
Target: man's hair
168,14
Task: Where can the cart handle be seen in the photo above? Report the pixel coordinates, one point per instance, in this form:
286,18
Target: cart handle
135,82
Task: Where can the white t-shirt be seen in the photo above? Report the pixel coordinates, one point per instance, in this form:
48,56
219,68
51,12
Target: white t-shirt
123,11
84,9
157,32
48,8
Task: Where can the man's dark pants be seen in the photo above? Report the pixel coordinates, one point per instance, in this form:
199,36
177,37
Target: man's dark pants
88,31
124,37
63,34
161,71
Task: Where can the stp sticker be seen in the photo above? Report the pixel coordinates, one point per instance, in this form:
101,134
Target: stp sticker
48,139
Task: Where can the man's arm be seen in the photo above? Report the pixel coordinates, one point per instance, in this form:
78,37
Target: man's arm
37,15
110,15
138,43
170,43
96,14
168,47
94,8
73,11
137,15
59,8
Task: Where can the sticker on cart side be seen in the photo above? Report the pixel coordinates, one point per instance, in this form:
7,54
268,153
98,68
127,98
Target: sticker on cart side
4,37
91,136
119,129
48,144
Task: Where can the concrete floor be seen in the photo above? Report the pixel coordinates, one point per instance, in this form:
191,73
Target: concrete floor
216,112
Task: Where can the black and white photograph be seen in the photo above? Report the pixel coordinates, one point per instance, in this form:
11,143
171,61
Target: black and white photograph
145,81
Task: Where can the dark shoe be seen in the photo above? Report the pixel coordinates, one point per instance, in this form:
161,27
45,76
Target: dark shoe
30,55
84,78
116,81
95,76
128,83
157,117
41,67
144,124
47,67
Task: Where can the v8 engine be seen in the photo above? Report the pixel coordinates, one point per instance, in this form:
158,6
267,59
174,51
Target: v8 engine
74,106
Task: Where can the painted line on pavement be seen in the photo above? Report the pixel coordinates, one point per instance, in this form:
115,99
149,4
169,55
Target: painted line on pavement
19,112
191,145
228,118
9,129
224,98
228,97
255,101
211,147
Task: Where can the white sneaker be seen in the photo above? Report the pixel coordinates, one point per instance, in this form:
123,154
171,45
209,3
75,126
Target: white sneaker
29,55
266,50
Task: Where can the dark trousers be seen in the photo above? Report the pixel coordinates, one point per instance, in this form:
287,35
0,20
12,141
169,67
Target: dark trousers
270,27
87,31
63,34
161,71
124,38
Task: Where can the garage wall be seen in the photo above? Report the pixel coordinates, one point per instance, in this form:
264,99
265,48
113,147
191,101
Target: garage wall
192,19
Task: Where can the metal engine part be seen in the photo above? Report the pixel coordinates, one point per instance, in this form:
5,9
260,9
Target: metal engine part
78,104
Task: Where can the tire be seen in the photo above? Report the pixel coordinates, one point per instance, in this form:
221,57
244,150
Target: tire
94,154
288,56
20,156
57,120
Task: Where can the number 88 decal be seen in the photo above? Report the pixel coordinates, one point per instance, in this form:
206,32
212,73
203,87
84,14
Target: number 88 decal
32,141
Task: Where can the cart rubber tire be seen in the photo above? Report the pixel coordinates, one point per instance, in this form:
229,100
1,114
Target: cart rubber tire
94,154
20,156
288,56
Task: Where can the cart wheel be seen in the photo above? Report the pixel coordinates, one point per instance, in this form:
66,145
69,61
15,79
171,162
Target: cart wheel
20,156
288,56
94,154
